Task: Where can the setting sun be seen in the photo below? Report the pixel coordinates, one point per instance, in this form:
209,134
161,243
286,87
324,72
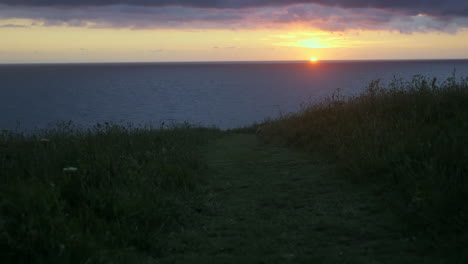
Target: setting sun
313,59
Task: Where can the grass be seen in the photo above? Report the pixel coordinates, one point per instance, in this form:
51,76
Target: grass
125,194
112,193
273,204
410,137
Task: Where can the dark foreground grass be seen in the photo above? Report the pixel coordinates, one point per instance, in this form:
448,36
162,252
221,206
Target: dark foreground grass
410,137
121,194
111,194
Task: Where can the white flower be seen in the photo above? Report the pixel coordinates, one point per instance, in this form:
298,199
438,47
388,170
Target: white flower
70,169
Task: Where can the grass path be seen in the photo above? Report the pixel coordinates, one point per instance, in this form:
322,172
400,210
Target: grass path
274,205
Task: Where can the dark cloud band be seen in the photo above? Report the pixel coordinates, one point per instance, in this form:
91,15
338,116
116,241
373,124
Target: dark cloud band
244,3
429,7
333,15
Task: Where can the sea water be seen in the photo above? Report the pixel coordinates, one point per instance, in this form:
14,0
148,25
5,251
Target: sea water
226,95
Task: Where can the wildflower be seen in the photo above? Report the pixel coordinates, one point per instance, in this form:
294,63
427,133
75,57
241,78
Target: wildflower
70,169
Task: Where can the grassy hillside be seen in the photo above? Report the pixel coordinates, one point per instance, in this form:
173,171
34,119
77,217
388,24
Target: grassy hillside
106,194
124,194
410,137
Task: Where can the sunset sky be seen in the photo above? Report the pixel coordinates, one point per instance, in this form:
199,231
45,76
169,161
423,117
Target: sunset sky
230,30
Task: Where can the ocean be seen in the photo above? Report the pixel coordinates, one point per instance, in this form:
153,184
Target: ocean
226,95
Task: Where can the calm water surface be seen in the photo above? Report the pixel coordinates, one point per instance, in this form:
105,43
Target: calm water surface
223,94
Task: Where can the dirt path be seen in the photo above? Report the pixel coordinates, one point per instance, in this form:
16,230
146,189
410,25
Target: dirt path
274,205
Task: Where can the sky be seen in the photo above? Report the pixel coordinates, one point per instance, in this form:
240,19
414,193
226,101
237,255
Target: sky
50,31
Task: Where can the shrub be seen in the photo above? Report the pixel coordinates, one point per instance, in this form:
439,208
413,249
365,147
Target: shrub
410,137
69,195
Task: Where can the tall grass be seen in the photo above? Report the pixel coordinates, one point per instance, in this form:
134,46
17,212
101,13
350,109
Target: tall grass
410,136
110,193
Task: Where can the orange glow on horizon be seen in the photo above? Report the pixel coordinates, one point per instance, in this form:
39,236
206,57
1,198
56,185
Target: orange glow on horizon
37,43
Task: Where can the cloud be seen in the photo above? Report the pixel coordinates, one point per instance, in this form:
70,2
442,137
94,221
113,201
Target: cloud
429,7
334,15
13,26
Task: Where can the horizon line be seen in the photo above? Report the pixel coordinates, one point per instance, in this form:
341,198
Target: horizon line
224,62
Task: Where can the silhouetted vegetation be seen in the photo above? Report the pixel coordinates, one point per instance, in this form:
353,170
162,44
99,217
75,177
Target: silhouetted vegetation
108,194
121,194
410,137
